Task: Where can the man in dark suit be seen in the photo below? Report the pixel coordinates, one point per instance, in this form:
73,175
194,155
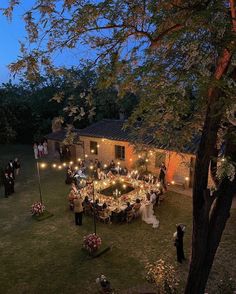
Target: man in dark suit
7,184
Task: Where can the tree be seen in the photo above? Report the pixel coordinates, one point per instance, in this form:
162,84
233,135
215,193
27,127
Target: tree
159,50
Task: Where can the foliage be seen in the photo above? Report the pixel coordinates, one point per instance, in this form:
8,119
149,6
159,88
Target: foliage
226,285
226,169
163,275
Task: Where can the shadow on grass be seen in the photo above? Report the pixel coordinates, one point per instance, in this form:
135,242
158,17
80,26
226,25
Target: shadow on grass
46,214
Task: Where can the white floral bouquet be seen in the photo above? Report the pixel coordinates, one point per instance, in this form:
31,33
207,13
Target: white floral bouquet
37,208
92,242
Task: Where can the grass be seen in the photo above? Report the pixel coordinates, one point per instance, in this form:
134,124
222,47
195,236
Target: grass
46,256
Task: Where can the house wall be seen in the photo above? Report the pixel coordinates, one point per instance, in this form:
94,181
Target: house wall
106,151
177,164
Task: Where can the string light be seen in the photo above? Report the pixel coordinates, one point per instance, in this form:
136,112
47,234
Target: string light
105,166
172,182
113,182
86,155
76,167
146,160
223,159
64,164
79,159
54,165
124,186
71,162
43,165
59,167
92,151
186,178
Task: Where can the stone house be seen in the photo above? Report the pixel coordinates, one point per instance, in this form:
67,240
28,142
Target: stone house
106,140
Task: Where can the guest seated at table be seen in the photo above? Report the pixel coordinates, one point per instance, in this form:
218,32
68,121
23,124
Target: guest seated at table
101,174
110,175
104,206
86,201
96,205
129,207
87,206
136,207
97,164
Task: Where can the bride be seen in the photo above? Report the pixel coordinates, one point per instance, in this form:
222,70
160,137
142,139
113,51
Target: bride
147,213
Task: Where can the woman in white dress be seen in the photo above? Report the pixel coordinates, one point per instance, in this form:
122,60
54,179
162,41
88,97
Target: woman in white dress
45,148
147,213
35,147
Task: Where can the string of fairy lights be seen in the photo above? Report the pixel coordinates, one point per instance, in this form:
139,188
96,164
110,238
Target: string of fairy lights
72,164
143,154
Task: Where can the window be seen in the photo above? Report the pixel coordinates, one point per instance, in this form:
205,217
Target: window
160,157
93,147
120,152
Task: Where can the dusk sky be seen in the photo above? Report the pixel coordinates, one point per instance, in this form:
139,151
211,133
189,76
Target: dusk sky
13,31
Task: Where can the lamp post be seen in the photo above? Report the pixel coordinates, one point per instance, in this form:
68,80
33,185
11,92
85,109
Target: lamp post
91,182
39,182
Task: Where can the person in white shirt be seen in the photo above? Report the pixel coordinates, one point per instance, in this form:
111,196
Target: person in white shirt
40,150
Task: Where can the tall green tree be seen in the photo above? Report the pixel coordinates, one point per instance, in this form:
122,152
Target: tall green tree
159,50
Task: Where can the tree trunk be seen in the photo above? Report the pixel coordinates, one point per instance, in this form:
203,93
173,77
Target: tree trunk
205,252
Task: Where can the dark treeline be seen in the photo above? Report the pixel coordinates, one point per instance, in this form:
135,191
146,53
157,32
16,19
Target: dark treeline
27,108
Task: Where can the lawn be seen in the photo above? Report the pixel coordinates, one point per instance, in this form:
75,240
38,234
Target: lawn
46,256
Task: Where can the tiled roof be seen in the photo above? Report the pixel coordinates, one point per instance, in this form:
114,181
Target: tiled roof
108,129
60,136
113,130
57,136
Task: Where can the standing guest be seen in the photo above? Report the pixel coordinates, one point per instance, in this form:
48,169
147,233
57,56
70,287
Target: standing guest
16,165
61,153
162,175
72,195
10,168
153,197
36,152
69,176
78,209
45,147
11,183
7,184
40,150
179,235
67,154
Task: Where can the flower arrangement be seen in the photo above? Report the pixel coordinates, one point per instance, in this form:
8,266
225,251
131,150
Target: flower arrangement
92,242
37,208
163,275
